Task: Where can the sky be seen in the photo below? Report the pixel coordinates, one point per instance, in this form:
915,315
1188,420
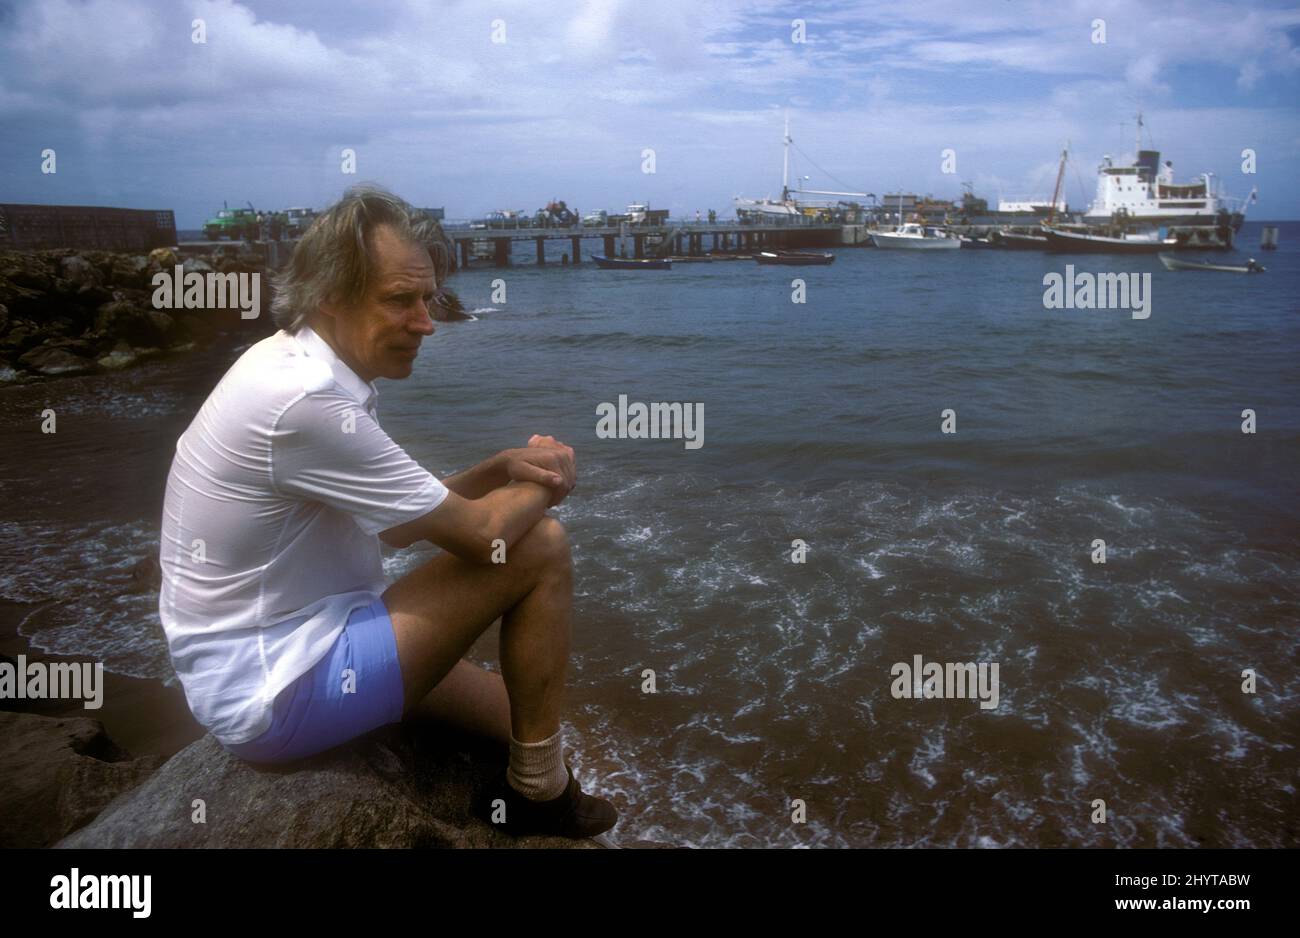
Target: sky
481,105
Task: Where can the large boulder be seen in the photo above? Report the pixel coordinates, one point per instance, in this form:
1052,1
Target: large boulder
130,271
22,300
162,259
119,357
138,325
23,334
54,361
56,774
404,785
80,272
27,270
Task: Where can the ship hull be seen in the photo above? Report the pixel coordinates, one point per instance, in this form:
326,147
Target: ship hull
1193,220
1078,243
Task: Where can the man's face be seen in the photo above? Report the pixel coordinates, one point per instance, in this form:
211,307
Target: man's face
380,337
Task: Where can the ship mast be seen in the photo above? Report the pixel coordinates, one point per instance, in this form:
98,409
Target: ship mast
1056,190
785,164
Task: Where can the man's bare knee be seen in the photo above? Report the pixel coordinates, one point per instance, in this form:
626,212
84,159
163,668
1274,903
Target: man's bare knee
546,545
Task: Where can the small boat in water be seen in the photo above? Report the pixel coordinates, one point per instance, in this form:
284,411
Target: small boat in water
1268,238
795,258
1173,263
1089,243
631,263
915,237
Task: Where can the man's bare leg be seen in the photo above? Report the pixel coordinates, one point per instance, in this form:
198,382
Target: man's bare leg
439,609
469,698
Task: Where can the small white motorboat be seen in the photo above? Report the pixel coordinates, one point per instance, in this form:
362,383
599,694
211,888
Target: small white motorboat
915,237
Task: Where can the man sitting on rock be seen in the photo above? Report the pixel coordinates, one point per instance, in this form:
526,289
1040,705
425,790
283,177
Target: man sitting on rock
282,628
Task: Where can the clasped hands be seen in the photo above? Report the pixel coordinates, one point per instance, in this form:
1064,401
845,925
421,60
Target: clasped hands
546,461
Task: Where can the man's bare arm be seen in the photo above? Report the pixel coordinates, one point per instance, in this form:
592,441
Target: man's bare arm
477,481
548,463
468,528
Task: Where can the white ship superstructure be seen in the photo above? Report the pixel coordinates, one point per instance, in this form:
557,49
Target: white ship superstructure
1146,192
1030,207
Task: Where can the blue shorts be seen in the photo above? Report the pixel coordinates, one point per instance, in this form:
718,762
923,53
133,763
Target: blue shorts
326,707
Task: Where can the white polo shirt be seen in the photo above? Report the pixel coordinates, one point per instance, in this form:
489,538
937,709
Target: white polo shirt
276,496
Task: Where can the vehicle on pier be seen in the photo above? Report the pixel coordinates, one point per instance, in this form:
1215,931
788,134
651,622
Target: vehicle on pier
640,214
555,215
297,221
234,223
506,219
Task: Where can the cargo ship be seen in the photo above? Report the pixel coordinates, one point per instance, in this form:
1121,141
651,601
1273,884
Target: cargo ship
1145,193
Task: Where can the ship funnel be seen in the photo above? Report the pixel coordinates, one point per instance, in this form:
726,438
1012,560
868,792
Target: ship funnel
1148,163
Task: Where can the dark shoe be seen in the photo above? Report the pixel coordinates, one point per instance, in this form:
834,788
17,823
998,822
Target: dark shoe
573,814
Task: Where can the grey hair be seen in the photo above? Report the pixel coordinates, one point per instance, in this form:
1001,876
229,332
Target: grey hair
333,263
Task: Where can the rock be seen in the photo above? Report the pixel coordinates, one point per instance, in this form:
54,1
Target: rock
447,307
92,295
163,323
54,361
195,328
77,346
22,336
401,786
197,265
137,325
4,317
146,575
61,326
130,271
162,259
27,270
122,356
21,301
57,774
80,272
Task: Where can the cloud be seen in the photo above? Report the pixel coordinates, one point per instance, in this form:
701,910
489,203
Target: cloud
434,106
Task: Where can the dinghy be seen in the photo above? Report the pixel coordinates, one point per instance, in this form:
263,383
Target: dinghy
631,263
795,258
1173,263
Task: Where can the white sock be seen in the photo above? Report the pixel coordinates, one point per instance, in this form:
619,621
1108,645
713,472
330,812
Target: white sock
537,770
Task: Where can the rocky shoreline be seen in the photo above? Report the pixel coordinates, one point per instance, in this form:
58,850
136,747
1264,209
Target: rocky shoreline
66,312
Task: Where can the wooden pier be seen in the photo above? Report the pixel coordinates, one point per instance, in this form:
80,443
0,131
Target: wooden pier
688,238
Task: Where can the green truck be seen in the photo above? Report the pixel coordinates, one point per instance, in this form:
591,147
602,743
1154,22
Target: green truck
235,223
